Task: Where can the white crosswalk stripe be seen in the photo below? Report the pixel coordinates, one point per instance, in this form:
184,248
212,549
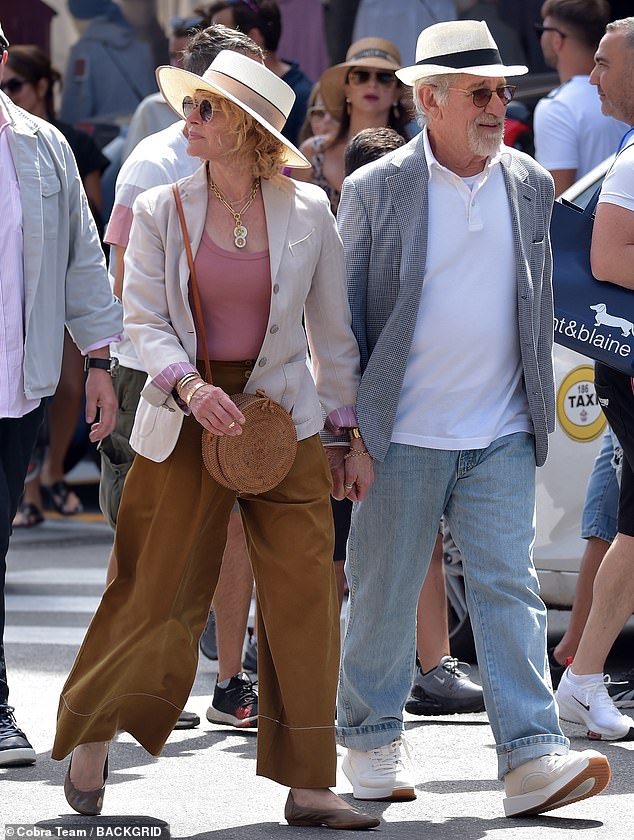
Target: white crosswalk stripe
51,611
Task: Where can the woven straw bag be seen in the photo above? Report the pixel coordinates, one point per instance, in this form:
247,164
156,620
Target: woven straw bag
261,457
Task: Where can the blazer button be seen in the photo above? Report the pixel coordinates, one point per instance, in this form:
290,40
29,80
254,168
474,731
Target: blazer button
276,288
274,329
262,362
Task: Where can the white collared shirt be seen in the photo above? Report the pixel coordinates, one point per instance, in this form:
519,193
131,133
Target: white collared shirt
13,402
463,386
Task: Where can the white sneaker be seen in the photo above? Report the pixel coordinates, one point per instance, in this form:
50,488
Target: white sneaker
382,773
554,780
593,707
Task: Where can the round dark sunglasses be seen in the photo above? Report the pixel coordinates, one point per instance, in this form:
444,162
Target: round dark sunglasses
205,108
482,96
361,77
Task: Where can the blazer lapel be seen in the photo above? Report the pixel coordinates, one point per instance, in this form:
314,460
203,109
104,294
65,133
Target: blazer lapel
522,201
408,189
277,209
194,195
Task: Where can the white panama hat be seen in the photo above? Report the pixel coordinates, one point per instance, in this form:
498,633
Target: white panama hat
245,82
457,46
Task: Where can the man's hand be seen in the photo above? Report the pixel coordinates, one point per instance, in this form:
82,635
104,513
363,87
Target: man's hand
100,395
352,476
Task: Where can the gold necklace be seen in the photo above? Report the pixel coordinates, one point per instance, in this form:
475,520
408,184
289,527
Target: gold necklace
240,232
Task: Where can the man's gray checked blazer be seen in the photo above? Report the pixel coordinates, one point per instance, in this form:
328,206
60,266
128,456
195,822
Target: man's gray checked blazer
382,220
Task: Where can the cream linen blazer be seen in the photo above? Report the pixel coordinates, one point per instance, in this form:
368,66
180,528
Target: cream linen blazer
307,279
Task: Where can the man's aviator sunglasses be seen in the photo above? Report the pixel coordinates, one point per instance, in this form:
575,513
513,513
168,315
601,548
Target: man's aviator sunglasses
205,108
482,96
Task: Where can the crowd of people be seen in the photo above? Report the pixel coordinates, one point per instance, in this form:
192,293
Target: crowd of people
371,255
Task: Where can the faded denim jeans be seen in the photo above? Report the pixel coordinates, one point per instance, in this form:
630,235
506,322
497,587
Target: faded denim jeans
488,498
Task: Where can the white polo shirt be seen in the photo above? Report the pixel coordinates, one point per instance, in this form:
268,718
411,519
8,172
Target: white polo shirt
463,385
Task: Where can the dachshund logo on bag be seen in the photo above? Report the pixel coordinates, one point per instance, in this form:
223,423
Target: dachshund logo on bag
602,316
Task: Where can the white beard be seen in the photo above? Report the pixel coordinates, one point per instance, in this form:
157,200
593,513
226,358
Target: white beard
485,145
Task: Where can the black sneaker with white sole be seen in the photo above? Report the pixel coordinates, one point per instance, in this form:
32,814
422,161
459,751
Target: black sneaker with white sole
15,750
235,705
445,690
621,690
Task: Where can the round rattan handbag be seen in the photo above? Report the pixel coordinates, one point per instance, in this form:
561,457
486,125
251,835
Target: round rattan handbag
261,457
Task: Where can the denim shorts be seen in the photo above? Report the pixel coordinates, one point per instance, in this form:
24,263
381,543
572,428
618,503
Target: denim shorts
600,509
614,390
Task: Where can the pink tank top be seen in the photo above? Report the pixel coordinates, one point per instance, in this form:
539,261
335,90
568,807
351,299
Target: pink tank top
235,294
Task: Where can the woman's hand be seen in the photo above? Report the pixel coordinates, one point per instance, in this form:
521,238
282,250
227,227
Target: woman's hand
216,411
335,456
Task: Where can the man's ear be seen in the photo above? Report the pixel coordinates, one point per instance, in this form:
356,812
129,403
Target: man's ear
427,99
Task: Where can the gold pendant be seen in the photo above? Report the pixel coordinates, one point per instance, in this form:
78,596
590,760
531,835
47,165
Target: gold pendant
240,236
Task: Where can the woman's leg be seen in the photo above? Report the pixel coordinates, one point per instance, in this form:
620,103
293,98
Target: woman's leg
138,661
290,538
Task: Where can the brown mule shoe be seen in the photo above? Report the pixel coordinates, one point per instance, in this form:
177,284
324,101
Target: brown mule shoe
343,818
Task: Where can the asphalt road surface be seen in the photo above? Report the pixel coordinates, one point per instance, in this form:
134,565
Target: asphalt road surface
204,784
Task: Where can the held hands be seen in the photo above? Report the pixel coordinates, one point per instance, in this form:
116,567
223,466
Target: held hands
213,408
352,471
100,395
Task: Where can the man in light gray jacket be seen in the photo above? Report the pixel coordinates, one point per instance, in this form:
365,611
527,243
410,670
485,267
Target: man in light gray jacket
449,281
52,274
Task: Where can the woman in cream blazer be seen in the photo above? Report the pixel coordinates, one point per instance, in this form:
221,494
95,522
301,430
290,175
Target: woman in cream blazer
267,254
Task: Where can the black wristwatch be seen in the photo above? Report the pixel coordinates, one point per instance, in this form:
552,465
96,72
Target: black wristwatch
102,364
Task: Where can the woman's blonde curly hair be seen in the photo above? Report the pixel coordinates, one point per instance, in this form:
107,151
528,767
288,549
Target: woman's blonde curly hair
251,141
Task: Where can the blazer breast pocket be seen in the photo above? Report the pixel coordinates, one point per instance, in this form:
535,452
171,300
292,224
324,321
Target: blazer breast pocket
50,186
299,247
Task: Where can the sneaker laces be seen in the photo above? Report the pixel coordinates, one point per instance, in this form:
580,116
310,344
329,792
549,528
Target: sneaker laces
388,758
455,668
607,679
244,689
8,726
597,696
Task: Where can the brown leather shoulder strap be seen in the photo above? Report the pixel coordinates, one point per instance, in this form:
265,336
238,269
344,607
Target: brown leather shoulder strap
193,282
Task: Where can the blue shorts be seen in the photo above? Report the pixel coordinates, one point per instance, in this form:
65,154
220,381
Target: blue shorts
600,510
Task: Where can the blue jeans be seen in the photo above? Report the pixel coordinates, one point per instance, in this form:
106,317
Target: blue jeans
601,506
488,498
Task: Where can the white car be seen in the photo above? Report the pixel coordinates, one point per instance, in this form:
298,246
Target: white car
561,482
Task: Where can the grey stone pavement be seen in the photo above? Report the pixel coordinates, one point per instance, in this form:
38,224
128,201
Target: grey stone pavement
204,785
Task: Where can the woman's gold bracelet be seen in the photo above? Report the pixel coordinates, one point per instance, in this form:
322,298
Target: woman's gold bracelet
356,453
189,377
190,394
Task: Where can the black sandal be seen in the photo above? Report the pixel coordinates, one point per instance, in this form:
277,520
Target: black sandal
31,516
58,494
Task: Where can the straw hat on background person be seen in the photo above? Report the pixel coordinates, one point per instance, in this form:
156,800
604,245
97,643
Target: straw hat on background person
370,53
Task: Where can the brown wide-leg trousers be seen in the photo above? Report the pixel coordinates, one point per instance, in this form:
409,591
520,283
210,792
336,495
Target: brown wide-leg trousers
138,661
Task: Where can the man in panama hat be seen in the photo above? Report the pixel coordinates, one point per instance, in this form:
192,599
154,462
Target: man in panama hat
449,282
